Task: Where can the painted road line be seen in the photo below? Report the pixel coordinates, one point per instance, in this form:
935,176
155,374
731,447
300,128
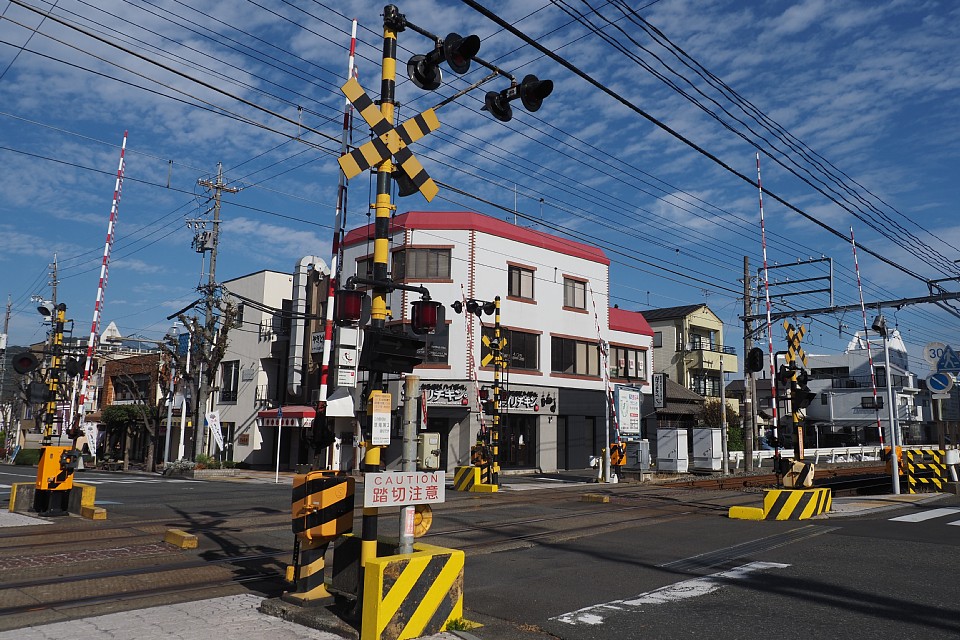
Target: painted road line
927,515
692,588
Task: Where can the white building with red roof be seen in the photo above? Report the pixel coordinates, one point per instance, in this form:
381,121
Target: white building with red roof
554,309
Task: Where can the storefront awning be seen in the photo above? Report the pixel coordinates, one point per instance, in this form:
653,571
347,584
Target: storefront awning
292,416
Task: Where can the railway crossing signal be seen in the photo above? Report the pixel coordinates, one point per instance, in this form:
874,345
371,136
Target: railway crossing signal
390,141
495,350
794,336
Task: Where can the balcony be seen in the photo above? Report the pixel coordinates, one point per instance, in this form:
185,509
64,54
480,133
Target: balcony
706,357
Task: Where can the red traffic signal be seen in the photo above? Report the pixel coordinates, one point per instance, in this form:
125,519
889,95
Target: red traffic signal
348,306
424,316
25,362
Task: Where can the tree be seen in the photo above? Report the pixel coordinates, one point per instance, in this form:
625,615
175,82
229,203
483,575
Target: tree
710,416
121,422
146,406
210,338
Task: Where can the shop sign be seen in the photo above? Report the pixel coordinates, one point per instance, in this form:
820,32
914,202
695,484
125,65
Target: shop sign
448,393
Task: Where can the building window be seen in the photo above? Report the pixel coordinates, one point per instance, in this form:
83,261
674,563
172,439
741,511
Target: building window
365,268
870,402
574,357
707,386
574,293
520,284
521,349
657,339
230,381
238,321
703,342
437,344
421,264
628,363
131,389
282,322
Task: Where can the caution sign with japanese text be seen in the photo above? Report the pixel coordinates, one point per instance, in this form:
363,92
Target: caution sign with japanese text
401,488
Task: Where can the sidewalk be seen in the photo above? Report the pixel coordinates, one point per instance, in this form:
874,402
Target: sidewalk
233,617
857,505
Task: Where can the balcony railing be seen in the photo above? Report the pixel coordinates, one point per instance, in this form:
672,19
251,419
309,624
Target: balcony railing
863,382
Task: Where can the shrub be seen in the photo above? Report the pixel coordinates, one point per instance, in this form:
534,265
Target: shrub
28,457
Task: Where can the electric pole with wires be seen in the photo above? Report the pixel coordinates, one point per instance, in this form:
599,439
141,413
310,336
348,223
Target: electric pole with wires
206,337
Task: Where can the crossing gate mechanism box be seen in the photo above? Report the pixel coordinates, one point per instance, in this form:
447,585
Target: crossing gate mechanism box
428,451
322,506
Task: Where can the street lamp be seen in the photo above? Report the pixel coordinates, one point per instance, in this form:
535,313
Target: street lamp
880,326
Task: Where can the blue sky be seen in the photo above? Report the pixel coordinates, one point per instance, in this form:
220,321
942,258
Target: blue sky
859,98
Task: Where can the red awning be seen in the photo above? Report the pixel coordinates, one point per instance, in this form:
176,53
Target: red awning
293,416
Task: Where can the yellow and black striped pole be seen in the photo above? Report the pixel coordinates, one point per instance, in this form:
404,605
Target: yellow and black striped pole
497,367
58,319
383,208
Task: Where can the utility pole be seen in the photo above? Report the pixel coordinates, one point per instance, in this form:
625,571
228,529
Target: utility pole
199,430
54,281
6,413
749,383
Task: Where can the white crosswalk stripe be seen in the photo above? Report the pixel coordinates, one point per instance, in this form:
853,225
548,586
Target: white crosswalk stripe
928,514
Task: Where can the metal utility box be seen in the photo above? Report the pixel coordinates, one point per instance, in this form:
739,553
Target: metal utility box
672,450
707,449
428,451
638,455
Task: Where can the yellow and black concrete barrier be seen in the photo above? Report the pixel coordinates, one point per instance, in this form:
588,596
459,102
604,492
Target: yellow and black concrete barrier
787,504
321,509
468,479
412,595
80,500
924,469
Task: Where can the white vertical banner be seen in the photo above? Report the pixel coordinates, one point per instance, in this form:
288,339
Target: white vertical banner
90,432
213,423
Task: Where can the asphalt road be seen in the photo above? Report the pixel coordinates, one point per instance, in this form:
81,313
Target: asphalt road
654,563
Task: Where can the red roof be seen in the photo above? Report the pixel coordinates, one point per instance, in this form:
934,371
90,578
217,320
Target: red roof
629,321
471,221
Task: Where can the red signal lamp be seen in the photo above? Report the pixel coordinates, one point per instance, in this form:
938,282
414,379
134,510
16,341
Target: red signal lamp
348,306
423,317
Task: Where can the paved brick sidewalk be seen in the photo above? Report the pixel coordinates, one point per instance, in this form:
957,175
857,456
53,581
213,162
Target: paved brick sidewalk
233,617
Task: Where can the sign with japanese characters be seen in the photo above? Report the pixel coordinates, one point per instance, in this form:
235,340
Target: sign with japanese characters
659,390
401,488
380,425
445,393
628,411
